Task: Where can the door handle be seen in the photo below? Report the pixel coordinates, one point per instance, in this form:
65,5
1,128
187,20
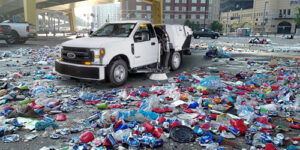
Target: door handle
153,43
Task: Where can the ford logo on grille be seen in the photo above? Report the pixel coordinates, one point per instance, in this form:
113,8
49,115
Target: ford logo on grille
71,55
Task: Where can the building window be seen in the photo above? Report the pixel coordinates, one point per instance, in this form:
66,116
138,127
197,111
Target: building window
280,13
184,1
149,16
210,1
284,12
203,1
194,8
202,16
183,16
194,1
138,16
183,8
202,9
289,12
176,16
209,9
193,16
167,8
167,16
168,1
176,1
148,8
176,8
138,7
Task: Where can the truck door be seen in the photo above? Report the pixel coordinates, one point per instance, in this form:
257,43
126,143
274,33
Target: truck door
145,45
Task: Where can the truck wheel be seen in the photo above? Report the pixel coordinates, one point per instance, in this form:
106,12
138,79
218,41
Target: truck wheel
213,37
13,39
118,72
175,61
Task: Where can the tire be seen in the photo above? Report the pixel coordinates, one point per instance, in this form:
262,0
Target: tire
22,41
14,38
117,72
175,61
213,37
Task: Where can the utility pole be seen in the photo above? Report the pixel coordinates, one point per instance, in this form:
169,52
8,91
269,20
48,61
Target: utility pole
227,23
263,23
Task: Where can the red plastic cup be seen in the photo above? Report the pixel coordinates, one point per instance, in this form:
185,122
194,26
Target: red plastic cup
174,124
158,132
86,137
161,119
149,127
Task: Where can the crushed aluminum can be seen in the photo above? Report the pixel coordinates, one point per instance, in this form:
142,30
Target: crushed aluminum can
54,136
48,119
11,138
154,143
233,130
76,129
64,131
94,117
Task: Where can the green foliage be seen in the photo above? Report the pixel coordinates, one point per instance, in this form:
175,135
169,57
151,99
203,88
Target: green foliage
236,25
216,26
194,26
297,19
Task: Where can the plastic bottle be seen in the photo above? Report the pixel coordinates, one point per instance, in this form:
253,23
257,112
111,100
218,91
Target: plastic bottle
26,101
257,140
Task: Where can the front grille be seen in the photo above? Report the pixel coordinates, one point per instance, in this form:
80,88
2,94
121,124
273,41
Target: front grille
81,55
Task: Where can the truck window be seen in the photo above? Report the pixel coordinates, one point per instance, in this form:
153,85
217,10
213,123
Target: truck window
115,30
142,30
151,31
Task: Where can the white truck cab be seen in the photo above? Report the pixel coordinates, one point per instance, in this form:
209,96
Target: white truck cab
117,48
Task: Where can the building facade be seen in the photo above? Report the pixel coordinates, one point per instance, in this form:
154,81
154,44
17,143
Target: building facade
203,12
227,5
278,17
104,13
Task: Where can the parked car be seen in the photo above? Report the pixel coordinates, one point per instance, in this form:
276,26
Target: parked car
20,32
206,33
121,47
5,32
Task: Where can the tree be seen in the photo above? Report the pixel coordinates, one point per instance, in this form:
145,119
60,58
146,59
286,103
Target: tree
297,19
216,26
187,23
194,26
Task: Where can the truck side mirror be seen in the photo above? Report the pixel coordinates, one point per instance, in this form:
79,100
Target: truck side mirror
145,36
137,37
141,36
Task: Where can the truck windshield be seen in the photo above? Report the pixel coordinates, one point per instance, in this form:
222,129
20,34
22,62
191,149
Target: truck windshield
115,30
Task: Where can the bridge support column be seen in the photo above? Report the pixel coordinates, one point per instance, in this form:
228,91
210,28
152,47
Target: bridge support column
157,10
30,11
72,20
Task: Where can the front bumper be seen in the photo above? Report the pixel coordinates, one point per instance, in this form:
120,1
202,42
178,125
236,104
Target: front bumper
88,72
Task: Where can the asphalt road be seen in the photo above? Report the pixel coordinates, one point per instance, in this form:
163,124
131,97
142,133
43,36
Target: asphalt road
190,64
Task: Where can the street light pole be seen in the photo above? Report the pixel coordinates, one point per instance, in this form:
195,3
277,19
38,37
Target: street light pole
227,23
263,23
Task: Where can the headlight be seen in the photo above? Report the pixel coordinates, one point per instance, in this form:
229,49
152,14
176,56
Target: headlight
98,54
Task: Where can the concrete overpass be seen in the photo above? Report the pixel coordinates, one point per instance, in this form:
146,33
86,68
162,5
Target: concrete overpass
31,7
